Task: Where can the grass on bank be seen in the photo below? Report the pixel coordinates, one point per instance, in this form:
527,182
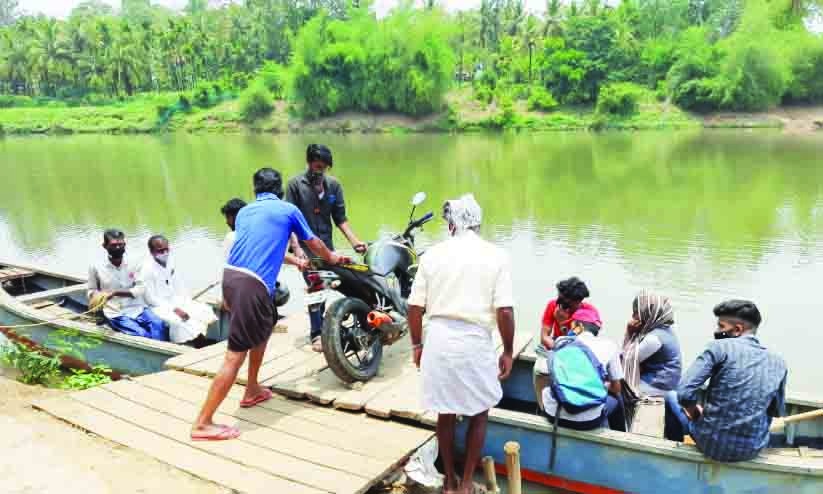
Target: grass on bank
464,113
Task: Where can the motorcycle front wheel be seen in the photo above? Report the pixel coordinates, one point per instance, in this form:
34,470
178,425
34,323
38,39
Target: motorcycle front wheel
352,350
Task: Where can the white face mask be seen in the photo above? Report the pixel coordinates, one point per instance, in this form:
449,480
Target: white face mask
162,258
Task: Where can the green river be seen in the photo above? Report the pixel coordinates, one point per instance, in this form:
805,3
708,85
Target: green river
698,216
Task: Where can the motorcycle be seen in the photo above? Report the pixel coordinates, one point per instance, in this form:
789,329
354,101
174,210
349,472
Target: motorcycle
372,311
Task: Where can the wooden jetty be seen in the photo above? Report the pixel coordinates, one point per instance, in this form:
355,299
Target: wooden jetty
332,438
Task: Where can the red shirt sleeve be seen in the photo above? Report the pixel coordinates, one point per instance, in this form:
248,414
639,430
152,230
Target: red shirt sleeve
548,316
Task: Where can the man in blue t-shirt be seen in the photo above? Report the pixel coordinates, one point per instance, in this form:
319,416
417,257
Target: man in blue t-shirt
263,230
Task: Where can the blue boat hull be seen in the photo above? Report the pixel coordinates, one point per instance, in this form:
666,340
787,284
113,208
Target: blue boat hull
610,461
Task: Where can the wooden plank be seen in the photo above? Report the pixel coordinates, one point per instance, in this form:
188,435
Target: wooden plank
217,351
372,429
402,398
396,362
351,440
279,345
66,290
181,362
8,274
242,452
177,454
289,380
329,467
319,453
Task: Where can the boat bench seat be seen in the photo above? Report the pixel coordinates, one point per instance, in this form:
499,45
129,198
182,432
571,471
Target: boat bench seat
8,274
56,292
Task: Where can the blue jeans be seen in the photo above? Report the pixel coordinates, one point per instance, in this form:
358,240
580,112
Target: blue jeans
613,418
146,325
677,424
315,316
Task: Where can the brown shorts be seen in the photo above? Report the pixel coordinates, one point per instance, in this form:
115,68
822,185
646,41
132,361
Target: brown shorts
251,312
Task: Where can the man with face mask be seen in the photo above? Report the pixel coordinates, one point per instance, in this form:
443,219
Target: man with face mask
320,198
464,286
114,280
166,295
747,387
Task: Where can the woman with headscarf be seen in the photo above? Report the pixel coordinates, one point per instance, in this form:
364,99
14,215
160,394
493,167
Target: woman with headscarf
651,352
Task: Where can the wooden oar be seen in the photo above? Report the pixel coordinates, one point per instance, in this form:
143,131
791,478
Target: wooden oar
779,423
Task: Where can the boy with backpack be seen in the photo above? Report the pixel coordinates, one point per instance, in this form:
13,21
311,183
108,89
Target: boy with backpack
584,376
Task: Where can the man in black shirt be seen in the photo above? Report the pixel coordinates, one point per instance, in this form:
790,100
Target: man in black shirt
320,198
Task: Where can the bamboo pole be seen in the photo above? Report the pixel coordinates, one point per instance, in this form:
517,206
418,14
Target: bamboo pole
491,476
512,450
780,422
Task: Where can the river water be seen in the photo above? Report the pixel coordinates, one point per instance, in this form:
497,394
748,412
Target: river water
698,216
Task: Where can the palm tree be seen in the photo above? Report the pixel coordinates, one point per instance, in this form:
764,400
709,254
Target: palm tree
47,53
554,18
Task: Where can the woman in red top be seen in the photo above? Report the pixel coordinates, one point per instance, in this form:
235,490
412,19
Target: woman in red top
559,311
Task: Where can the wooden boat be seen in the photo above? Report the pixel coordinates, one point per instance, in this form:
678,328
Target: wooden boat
605,461
51,302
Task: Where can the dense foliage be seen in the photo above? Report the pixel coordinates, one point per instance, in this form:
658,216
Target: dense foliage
328,56
401,63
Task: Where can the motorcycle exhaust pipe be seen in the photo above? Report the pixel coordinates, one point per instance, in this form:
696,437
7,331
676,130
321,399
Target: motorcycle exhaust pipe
392,325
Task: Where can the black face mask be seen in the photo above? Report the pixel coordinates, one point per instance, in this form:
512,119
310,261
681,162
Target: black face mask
116,252
722,335
315,178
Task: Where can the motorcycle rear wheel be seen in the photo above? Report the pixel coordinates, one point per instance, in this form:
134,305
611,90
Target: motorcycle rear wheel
352,351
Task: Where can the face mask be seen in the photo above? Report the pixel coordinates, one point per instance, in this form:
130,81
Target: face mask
315,178
722,335
116,252
162,258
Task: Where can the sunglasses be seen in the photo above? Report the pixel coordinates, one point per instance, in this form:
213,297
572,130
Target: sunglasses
722,335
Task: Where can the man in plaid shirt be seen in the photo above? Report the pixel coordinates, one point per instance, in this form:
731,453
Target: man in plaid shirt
747,388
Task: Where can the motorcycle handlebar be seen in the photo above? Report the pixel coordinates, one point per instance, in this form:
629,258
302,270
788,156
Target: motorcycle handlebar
418,223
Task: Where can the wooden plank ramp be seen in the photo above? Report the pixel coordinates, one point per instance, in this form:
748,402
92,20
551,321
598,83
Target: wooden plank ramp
285,446
291,369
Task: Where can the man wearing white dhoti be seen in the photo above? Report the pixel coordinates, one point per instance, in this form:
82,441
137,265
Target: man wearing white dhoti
166,295
464,287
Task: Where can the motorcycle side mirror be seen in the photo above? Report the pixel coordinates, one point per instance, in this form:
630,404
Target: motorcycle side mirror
418,199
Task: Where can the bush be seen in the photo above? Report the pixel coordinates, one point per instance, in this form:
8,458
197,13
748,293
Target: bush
273,77
806,79
483,93
753,80
255,102
81,379
203,95
401,62
620,98
12,101
34,366
184,103
541,100
701,95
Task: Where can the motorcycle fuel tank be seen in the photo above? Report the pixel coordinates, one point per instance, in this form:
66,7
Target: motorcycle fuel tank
388,256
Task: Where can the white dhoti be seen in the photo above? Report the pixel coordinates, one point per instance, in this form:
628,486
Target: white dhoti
180,331
459,368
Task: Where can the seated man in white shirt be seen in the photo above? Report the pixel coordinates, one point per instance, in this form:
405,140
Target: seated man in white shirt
586,325
167,296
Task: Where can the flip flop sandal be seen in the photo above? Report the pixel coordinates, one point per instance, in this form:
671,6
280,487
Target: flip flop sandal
266,396
225,434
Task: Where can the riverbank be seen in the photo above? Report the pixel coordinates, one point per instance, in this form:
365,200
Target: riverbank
45,455
464,114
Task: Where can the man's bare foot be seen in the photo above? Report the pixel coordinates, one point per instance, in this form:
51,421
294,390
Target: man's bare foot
451,486
214,432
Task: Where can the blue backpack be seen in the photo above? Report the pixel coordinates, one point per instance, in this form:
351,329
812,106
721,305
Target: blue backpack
576,382
576,377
